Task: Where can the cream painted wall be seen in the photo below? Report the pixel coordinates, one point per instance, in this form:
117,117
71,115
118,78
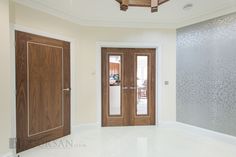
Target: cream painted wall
86,38
5,84
165,38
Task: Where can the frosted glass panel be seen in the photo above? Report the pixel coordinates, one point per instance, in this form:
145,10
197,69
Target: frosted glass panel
115,85
142,74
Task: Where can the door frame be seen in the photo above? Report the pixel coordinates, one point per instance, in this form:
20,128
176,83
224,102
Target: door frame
157,46
73,69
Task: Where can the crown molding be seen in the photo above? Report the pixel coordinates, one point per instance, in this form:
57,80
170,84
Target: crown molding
207,16
223,10
94,22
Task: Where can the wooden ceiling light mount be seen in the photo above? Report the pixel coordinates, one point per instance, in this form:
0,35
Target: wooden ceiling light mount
124,5
153,4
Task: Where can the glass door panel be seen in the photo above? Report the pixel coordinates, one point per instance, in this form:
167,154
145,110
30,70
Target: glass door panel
142,85
114,85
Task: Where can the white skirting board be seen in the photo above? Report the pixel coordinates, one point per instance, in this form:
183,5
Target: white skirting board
10,154
196,130
201,131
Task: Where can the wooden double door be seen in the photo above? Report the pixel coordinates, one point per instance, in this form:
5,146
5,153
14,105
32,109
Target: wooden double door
128,86
42,90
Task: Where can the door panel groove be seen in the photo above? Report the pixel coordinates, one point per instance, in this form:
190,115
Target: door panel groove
28,91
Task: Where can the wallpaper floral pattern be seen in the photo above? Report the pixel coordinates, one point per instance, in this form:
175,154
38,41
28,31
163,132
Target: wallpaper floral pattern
206,74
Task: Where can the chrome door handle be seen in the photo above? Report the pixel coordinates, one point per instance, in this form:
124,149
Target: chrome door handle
125,88
66,89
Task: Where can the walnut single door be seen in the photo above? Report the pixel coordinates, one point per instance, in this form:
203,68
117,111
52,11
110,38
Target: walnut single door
43,90
128,86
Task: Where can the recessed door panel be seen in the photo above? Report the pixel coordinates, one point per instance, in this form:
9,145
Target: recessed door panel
45,79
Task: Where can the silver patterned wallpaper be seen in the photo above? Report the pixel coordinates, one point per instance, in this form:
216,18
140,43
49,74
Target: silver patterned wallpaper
206,74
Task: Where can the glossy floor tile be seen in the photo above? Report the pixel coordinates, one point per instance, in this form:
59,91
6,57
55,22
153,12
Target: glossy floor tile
150,141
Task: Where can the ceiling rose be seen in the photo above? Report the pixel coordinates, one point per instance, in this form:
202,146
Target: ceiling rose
153,4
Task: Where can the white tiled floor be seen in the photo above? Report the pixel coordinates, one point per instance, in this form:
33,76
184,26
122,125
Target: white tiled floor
134,142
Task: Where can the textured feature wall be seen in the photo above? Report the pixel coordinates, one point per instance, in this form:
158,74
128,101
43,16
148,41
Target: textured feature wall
206,74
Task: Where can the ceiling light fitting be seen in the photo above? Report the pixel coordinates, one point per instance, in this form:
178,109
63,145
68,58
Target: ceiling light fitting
188,6
153,4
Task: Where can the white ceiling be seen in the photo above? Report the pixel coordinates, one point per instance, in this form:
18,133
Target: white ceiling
107,13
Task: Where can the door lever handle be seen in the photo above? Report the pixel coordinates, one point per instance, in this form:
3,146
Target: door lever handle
125,88
133,87
66,89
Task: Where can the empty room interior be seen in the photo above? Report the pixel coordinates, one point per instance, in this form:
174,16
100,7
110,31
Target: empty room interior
118,78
